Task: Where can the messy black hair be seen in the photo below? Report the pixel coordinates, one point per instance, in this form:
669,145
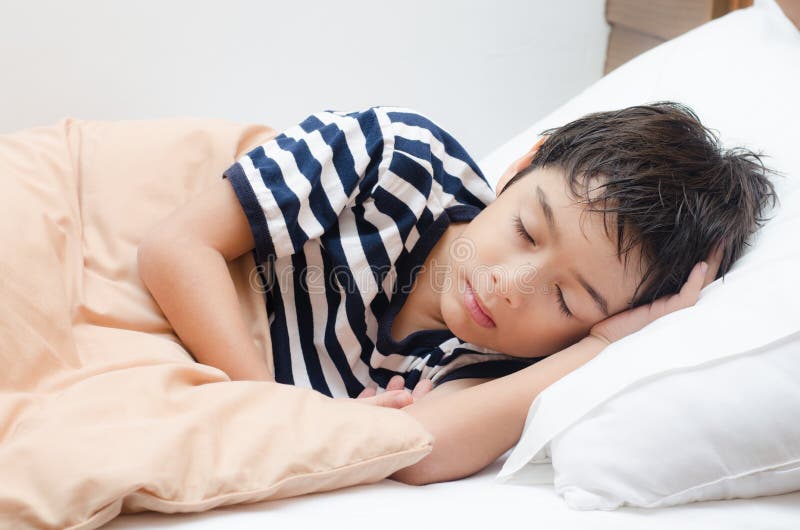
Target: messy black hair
675,191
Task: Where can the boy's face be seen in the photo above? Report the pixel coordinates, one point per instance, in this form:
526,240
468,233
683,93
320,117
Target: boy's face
517,281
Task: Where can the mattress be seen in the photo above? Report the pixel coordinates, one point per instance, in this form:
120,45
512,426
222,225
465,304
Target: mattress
479,500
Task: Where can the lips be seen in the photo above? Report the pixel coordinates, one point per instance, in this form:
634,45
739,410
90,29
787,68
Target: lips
476,309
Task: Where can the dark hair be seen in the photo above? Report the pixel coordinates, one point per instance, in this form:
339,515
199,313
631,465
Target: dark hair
675,191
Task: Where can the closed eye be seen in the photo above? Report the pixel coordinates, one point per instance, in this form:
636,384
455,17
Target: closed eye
562,303
520,228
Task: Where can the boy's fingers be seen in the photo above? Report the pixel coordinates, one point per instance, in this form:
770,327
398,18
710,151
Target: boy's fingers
714,261
396,383
395,394
702,274
423,387
396,399
691,289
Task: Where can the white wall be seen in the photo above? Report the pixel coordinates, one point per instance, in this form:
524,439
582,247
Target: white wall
484,70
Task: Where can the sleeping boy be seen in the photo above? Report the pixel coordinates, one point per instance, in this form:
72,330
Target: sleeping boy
388,262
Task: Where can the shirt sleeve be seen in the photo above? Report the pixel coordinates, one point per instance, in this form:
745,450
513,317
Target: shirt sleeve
293,188
486,369
470,361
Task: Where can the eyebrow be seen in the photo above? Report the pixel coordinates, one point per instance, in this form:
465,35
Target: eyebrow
548,213
552,225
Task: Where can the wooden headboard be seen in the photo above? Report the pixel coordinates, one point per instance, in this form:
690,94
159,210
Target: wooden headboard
638,25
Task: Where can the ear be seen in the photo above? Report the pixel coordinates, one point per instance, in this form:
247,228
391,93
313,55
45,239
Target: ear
518,165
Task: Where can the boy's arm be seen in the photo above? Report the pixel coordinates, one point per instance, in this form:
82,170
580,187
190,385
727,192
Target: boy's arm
183,262
456,385
472,427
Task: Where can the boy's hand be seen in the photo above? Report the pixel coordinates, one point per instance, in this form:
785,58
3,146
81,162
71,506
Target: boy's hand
627,322
395,395
395,399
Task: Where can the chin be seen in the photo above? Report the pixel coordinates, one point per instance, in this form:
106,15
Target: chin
458,321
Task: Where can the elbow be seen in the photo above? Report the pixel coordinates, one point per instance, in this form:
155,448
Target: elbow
419,473
431,469
424,473
412,475
439,466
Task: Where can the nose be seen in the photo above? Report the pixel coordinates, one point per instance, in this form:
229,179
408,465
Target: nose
512,285
500,288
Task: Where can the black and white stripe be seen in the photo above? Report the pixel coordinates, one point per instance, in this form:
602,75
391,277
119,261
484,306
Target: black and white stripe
342,206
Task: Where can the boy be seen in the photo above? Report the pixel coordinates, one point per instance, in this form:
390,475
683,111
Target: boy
390,263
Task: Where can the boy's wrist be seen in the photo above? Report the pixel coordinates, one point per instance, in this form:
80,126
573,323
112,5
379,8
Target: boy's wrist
596,340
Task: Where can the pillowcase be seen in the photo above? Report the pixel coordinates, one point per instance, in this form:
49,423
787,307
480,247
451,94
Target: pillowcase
103,410
739,73
725,429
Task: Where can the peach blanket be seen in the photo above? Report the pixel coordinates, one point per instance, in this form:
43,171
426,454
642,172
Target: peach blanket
102,410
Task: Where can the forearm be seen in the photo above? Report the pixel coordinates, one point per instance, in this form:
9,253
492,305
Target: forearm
473,427
193,287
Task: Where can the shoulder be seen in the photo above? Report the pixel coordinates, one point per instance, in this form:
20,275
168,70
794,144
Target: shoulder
392,128
409,127
408,117
419,140
404,153
380,130
390,120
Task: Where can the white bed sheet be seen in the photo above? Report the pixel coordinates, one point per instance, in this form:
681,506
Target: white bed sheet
477,501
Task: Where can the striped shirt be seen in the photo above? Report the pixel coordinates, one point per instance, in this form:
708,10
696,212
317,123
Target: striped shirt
344,209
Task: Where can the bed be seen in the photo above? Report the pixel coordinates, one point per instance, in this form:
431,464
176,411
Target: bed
760,34
482,499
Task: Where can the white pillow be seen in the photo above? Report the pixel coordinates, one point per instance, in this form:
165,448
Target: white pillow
722,430
740,73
